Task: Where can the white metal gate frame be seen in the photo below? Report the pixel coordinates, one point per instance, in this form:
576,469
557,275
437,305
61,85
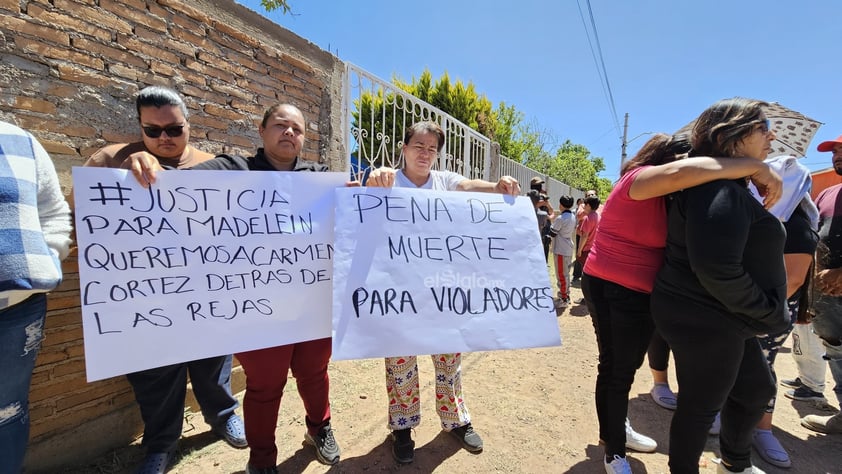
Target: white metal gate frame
472,159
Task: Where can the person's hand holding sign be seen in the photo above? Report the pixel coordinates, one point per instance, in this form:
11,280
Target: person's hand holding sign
144,167
383,177
507,185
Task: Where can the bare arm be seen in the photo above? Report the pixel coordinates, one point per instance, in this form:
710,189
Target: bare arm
797,265
829,281
550,209
583,238
671,177
505,185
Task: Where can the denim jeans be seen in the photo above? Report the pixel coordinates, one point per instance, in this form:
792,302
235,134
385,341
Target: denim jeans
827,324
21,331
160,393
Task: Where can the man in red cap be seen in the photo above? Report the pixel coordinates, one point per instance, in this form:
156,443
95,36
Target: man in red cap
827,307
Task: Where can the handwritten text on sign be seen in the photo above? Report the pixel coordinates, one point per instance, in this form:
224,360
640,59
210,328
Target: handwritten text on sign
427,272
203,263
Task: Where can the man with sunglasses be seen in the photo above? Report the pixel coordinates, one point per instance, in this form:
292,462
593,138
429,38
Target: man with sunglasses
165,131
161,391
282,130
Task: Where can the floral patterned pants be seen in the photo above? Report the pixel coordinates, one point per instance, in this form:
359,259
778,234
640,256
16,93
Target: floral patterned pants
404,397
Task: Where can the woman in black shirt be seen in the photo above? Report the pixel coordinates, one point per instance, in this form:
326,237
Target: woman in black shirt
722,284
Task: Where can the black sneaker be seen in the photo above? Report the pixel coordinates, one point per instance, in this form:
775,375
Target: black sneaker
261,470
805,394
468,437
403,448
327,451
792,383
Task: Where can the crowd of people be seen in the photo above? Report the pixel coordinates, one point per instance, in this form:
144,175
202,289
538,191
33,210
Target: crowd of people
704,248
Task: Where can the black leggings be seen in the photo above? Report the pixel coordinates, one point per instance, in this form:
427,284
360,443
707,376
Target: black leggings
658,353
719,368
623,327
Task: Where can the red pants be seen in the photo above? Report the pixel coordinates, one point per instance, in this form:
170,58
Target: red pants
266,375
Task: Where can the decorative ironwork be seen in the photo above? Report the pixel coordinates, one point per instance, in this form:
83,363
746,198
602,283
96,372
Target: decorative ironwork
375,115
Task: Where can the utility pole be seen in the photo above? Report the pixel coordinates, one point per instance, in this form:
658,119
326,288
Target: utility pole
625,135
626,140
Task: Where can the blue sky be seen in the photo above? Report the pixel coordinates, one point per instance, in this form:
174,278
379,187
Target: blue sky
666,60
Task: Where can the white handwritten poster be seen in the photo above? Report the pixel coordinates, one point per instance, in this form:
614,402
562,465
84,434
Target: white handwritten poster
426,272
201,264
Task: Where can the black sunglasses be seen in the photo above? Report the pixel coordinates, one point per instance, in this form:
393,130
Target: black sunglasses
172,131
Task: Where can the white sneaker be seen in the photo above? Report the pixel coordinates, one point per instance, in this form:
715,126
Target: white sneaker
638,442
721,469
617,466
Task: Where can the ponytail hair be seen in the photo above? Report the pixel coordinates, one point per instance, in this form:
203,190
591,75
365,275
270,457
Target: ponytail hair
659,150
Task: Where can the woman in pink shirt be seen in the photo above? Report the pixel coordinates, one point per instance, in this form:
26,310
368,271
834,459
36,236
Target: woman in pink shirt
620,271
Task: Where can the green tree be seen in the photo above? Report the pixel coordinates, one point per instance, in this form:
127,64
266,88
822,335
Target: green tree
457,99
507,119
574,165
380,118
272,5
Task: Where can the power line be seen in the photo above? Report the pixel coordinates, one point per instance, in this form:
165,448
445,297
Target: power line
600,62
593,54
604,69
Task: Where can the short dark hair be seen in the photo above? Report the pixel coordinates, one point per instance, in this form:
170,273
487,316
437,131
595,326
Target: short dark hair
424,127
534,195
566,201
157,96
592,201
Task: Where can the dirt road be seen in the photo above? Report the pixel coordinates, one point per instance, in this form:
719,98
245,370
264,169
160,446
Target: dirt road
533,408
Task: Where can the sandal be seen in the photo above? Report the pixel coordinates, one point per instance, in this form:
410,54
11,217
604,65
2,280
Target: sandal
770,449
663,396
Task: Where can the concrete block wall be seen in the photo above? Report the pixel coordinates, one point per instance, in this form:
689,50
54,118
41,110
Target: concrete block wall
69,70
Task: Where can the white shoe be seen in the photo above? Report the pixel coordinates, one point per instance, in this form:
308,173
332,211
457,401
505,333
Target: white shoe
638,442
617,466
721,469
716,427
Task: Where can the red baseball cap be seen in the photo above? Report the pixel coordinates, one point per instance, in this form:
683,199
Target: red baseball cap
828,145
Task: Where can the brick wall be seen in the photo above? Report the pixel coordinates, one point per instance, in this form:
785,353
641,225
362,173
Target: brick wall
69,71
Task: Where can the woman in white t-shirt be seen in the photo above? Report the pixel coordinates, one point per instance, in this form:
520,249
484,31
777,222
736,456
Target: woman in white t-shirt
422,144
